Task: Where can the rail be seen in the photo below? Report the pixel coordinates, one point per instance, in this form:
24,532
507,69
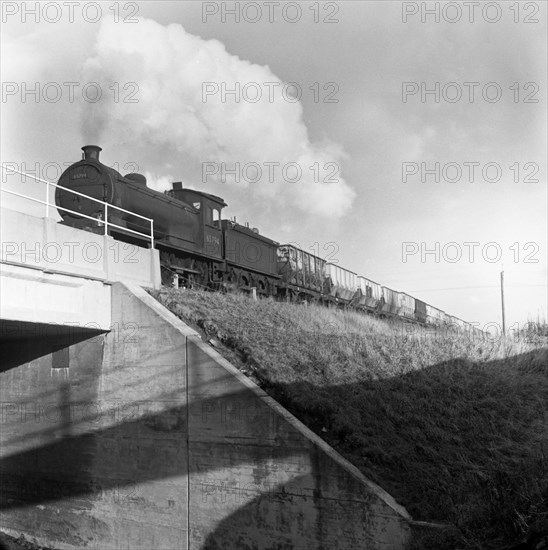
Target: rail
107,207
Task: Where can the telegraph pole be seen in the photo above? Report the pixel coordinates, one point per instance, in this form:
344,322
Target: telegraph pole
502,301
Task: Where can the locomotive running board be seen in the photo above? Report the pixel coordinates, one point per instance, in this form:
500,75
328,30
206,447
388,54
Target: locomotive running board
179,269
238,266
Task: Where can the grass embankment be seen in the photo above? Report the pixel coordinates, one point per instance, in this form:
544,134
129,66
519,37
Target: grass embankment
455,429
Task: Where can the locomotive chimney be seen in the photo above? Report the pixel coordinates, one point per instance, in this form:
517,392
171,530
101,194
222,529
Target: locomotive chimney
91,152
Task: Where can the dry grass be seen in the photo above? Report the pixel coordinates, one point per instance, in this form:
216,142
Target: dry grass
455,428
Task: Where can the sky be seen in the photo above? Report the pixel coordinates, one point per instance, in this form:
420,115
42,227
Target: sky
406,145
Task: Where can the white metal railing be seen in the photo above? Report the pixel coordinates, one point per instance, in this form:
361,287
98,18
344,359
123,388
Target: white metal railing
106,206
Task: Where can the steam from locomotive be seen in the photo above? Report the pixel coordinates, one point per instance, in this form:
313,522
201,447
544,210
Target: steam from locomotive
163,101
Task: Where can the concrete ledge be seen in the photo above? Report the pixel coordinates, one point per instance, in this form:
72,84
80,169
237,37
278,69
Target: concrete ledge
31,295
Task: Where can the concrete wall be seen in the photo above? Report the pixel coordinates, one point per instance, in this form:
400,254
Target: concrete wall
44,244
160,443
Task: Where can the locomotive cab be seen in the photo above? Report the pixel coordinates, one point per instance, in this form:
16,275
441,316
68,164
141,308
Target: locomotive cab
209,208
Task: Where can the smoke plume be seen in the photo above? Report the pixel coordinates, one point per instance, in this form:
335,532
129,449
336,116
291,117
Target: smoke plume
166,93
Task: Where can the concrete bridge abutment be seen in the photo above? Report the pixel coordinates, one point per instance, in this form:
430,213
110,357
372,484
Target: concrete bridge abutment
150,439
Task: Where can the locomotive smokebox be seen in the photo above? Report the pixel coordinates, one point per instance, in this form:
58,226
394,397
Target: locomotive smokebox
91,152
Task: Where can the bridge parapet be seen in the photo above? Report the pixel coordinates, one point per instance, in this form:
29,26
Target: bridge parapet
43,244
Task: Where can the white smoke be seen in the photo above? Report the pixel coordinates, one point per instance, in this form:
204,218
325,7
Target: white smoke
157,182
159,74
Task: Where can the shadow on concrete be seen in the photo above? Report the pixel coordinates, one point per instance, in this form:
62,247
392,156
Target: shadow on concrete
63,467
24,342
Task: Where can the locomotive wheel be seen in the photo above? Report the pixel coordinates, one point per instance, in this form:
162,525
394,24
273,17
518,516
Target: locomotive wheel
191,281
243,282
166,275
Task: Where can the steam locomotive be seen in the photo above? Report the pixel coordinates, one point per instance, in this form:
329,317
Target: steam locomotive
197,247
200,249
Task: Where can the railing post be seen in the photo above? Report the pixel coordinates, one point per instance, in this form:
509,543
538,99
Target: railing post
106,218
151,233
47,199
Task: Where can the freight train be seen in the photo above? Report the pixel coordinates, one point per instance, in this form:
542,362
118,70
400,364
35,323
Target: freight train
198,248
